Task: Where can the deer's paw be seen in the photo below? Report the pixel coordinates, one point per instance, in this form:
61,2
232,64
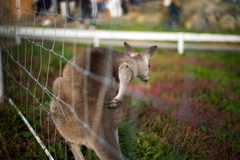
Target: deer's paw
113,103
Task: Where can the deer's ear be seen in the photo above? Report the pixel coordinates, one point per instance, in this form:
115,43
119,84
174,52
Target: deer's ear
149,52
130,51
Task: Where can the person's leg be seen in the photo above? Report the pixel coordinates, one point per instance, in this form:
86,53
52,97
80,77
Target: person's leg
47,5
169,21
40,8
177,17
104,8
82,20
175,20
92,19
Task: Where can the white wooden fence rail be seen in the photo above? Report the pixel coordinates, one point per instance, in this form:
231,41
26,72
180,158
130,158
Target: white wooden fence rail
97,35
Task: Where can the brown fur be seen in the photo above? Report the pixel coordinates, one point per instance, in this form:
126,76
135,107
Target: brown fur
101,61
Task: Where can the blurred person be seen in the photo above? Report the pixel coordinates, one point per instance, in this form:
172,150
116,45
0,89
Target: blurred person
172,20
86,10
134,3
124,6
166,3
43,6
101,5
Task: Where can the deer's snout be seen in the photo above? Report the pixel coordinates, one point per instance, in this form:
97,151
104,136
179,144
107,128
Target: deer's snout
146,79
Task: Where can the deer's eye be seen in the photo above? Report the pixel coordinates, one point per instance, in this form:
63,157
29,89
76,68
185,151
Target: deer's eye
149,66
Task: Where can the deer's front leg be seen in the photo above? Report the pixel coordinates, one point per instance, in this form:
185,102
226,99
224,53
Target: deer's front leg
125,75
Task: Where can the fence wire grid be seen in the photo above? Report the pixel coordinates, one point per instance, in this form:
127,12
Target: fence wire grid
30,86
31,65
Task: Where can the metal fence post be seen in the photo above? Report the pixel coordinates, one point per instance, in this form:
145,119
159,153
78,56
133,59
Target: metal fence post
1,78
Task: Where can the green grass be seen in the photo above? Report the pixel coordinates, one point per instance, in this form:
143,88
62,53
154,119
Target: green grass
122,24
156,132
213,101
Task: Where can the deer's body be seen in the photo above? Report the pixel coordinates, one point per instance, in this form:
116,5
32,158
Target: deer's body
83,95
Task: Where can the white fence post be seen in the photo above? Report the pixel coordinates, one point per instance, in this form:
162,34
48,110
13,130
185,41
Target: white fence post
180,43
63,8
96,40
17,37
1,78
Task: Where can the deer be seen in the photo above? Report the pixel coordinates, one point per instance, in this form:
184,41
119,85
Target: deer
87,106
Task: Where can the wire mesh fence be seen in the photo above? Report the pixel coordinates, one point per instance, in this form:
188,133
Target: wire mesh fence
33,71
32,82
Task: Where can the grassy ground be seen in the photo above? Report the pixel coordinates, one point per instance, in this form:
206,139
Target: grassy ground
188,110
130,25
126,24
192,102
